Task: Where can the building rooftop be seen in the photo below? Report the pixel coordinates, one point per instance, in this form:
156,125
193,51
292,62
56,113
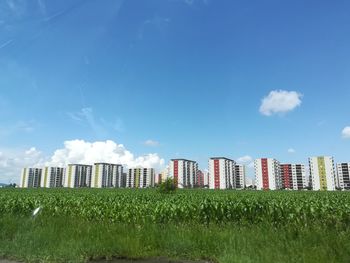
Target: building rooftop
108,164
181,159
216,158
77,164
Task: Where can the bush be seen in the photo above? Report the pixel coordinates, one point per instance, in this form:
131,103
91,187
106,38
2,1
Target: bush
168,186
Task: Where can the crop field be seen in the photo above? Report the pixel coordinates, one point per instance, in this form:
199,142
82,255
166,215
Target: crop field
187,206
220,226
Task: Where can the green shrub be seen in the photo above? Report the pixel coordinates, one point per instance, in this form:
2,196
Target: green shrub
168,186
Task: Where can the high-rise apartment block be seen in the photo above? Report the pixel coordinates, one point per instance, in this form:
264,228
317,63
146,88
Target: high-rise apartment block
200,179
52,177
107,175
293,176
31,177
240,176
78,175
322,173
343,170
267,174
140,178
184,172
221,173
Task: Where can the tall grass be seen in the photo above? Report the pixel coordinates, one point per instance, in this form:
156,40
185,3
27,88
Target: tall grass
73,239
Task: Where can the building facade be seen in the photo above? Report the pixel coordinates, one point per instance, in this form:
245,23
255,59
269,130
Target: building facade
267,174
163,176
52,177
322,173
206,179
200,179
343,170
184,172
293,176
107,175
140,178
240,176
31,177
221,173
78,175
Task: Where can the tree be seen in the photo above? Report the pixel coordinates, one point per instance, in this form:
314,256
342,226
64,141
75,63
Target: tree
168,186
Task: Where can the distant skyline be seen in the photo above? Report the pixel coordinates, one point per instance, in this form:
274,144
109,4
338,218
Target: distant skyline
141,82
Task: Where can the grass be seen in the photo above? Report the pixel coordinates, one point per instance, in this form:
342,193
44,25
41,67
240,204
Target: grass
73,239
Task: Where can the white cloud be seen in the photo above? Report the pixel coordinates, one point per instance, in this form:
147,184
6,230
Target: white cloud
291,150
74,151
346,132
280,101
80,151
12,162
245,159
151,143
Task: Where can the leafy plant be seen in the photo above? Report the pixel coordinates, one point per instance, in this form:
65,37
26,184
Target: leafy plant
168,186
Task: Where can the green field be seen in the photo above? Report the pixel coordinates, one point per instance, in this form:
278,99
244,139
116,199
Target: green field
220,226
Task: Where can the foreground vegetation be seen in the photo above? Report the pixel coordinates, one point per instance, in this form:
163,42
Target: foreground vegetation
222,226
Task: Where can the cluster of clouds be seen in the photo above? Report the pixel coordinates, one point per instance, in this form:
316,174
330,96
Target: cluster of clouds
280,102
74,151
12,161
151,143
246,160
346,132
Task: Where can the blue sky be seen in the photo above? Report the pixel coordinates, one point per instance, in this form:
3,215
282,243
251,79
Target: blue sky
177,78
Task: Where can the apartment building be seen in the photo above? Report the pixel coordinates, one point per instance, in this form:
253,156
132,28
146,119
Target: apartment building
293,176
322,173
78,175
140,178
184,172
267,174
52,177
240,174
163,175
343,170
206,179
107,175
221,173
200,179
30,177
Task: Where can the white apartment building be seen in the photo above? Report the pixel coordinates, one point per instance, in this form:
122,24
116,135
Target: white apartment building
184,172
267,174
293,176
322,173
52,177
140,178
221,173
30,177
107,175
163,175
206,178
78,175
343,170
240,176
